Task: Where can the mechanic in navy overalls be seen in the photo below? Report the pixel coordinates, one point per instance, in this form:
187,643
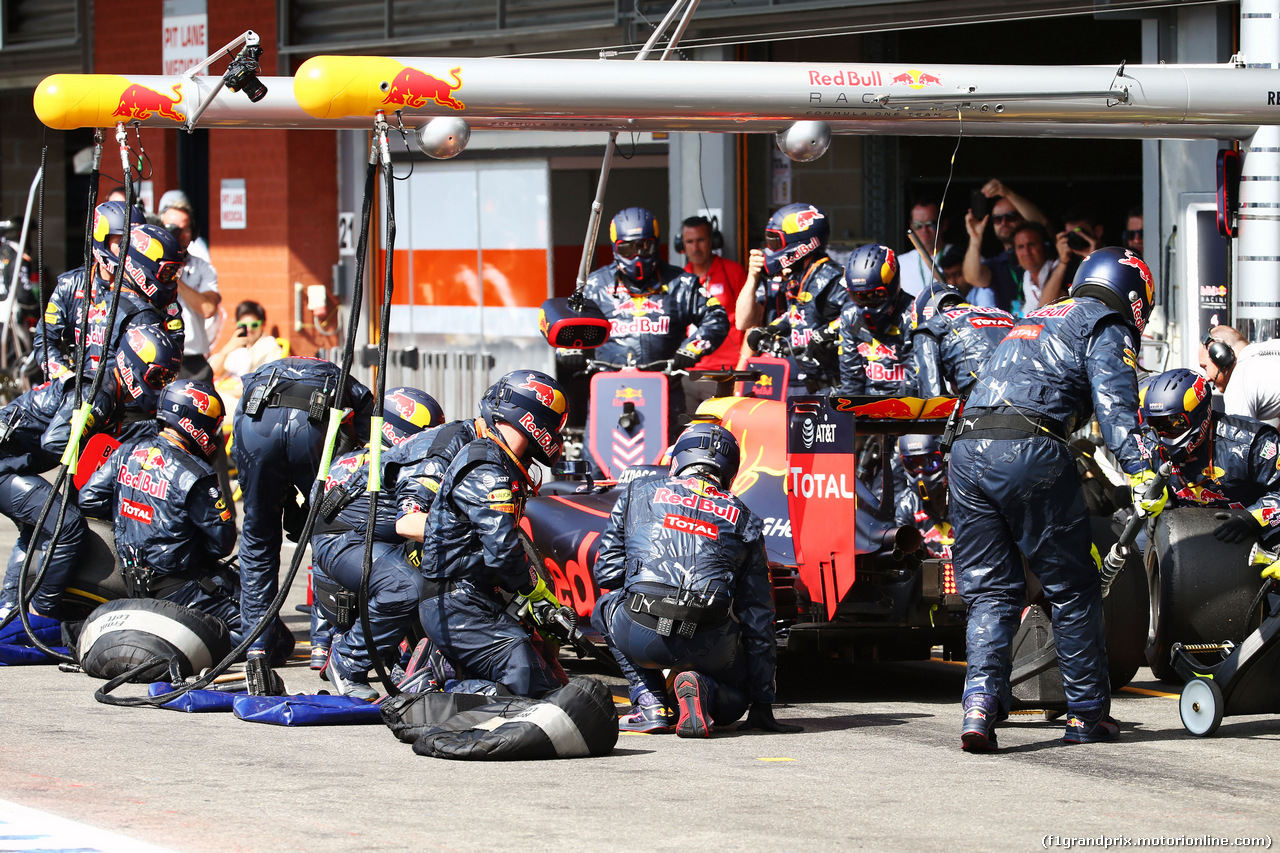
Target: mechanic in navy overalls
172,522
656,311
689,585
337,543
923,505
807,316
951,340
279,431
1014,485
471,549
875,328
34,431
1218,460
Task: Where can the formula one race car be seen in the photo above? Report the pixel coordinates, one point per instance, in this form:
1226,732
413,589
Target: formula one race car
848,581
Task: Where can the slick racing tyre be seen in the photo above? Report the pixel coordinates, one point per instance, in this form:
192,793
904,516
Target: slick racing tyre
1125,609
97,577
1200,588
121,635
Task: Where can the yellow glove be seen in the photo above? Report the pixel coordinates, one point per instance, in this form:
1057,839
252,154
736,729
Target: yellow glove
1272,571
1097,558
536,599
1138,484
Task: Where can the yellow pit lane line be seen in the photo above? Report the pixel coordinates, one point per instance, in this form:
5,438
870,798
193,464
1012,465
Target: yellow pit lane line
1141,691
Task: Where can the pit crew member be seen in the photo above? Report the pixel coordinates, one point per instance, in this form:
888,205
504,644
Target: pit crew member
924,505
951,340
875,327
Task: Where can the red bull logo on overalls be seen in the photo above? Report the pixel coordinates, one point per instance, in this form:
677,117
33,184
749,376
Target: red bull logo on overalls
876,351
727,511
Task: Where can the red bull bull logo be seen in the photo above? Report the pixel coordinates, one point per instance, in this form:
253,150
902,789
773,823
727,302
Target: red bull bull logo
139,102
625,395
806,218
638,306
876,351
545,393
202,401
916,79
413,88
1203,495
404,406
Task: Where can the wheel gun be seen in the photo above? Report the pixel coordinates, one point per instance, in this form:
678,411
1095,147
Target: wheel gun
1114,562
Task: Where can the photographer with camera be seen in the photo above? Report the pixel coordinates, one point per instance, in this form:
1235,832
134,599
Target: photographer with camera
1080,237
244,352
996,280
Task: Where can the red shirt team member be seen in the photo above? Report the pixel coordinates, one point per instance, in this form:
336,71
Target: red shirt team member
722,278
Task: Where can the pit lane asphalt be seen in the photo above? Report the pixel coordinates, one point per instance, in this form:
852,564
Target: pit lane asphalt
878,767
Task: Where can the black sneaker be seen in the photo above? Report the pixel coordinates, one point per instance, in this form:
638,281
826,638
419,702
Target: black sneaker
693,695
978,731
1082,729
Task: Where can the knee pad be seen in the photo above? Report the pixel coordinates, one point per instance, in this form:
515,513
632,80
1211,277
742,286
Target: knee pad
120,635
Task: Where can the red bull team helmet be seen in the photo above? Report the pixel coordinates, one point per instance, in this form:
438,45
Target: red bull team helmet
146,361
408,411
933,300
707,444
109,221
1176,406
794,237
534,404
1121,280
194,409
871,277
154,263
634,235
926,469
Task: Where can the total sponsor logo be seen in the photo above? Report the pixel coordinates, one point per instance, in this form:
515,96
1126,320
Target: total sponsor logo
820,485
691,525
640,326
915,78
980,322
137,511
720,509
851,77
1025,333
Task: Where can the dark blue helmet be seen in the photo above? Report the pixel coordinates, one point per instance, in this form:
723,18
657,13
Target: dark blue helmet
634,235
146,362
926,469
109,221
534,405
1176,406
194,409
408,411
154,263
795,236
707,444
871,277
933,300
1121,280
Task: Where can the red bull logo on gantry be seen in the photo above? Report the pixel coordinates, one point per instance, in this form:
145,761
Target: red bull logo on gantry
139,102
413,88
916,79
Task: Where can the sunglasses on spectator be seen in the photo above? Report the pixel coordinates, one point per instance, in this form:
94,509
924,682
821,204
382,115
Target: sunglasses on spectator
929,223
1006,217
248,324
636,248
1130,236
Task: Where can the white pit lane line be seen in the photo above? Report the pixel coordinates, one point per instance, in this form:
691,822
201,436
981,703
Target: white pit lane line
27,830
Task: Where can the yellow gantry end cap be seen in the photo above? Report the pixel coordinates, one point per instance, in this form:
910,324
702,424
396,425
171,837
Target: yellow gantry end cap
69,101
339,86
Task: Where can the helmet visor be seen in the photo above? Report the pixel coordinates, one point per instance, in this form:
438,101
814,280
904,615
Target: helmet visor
774,240
923,463
157,376
168,272
870,298
645,248
1173,426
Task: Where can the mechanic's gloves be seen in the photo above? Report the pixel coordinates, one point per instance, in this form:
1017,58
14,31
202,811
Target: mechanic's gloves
1239,529
535,600
571,360
761,717
1272,572
684,359
757,336
1097,558
1138,484
820,339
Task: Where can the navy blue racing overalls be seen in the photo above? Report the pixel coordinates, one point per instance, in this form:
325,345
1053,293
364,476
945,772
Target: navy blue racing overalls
471,552
679,534
949,348
1014,486
279,433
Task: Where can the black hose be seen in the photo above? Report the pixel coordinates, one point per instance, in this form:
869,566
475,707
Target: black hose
375,436
102,694
44,337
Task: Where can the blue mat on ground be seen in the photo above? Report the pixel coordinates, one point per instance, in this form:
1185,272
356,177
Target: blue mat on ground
193,701
17,648
306,710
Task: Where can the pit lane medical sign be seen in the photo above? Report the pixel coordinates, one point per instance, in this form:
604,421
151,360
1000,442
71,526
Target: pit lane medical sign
234,204
184,35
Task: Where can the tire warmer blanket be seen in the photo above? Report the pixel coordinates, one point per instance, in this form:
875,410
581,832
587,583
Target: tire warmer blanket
16,647
305,710
193,701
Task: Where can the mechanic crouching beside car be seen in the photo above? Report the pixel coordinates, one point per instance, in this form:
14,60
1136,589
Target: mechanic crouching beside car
1218,460
689,591
1014,486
